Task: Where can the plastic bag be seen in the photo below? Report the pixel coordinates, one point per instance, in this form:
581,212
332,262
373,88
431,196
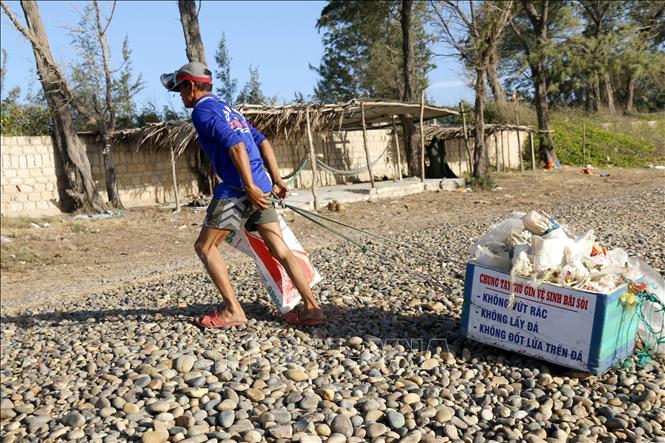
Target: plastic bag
653,312
522,266
485,257
536,222
547,253
500,233
274,277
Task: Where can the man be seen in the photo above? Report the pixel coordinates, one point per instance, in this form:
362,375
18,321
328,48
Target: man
238,153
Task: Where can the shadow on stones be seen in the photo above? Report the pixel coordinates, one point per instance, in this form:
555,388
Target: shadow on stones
435,332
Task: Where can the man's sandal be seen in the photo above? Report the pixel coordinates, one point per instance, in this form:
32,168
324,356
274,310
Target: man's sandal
215,321
294,318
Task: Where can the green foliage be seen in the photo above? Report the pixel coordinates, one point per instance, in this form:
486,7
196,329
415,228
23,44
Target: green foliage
485,182
32,118
363,51
88,79
604,147
125,87
227,85
251,93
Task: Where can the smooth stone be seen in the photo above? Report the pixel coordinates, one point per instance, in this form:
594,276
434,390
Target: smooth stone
341,424
451,432
395,419
226,418
73,419
296,375
155,437
376,430
184,363
252,437
283,431
444,415
410,398
159,406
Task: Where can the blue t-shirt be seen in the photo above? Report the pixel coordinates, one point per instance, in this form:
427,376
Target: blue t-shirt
219,127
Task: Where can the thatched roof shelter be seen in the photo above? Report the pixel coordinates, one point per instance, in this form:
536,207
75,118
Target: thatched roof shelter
454,132
285,123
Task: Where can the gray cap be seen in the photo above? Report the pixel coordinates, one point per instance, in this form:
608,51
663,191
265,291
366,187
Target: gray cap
194,71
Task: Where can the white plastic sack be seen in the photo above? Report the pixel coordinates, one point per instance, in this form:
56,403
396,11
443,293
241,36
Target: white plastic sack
485,257
275,279
522,266
547,254
536,222
500,233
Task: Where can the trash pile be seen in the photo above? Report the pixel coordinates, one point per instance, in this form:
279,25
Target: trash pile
534,246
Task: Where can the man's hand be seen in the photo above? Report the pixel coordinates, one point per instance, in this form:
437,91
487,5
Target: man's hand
256,197
280,189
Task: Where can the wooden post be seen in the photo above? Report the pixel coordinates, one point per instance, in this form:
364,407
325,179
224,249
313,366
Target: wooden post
466,136
175,182
312,158
399,156
533,152
369,163
459,154
583,144
519,140
496,153
422,137
503,155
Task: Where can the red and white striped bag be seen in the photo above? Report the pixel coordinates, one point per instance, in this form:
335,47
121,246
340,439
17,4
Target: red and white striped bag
275,279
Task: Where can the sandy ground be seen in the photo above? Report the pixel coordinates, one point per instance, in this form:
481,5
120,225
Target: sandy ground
70,257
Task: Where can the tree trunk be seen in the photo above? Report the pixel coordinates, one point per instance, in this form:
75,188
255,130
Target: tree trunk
596,95
479,132
107,126
630,93
412,154
495,83
609,93
80,185
546,151
111,177
190,27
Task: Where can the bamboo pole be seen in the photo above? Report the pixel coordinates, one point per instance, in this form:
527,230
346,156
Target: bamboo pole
312,158
175,182
496,153
533,152
583,144
399,156
460,157
466,137
519,140
369,163
503,155
422,137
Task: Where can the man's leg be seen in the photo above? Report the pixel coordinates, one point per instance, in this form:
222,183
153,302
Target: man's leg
207,248
272,236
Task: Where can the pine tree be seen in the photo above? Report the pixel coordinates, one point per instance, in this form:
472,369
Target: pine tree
227,85
125,87
251,93
363,50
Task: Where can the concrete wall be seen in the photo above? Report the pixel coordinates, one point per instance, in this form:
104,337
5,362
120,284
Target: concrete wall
502,145
343,151
32,180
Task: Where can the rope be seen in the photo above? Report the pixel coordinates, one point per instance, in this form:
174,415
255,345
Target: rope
291,177
356,171
636,298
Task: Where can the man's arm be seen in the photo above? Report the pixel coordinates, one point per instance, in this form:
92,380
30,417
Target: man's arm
270,160
238,155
